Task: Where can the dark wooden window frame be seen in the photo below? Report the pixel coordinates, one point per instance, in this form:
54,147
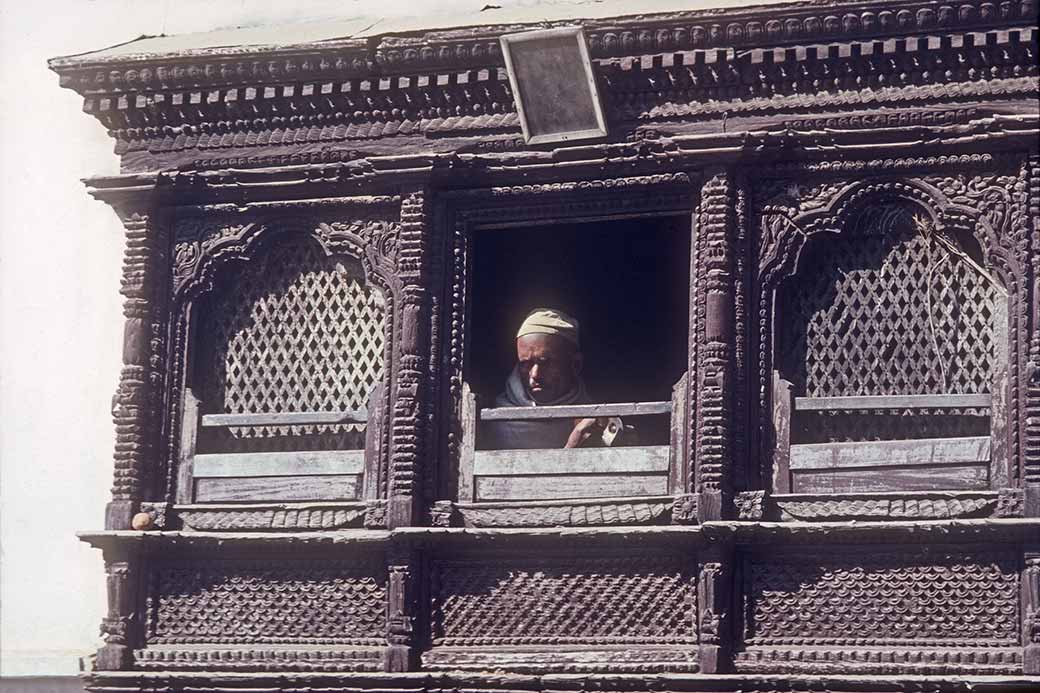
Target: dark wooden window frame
482,211
256,237
829,219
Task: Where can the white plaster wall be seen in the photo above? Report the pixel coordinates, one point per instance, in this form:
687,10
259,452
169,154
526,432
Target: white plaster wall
60,311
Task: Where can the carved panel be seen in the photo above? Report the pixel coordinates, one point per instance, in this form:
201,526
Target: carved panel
257,602
295,330
931,598
950,207
894,300
638,599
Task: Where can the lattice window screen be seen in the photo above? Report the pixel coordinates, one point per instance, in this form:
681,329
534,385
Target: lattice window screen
888,313
293,331
884,309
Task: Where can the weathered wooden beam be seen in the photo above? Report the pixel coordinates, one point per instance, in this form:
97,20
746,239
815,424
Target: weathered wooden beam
889,453
304,463
560,462
295,418
279,488
575,411
955,401
557,487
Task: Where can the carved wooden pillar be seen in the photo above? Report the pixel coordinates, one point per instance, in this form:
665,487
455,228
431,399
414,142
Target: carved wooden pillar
1031,614
402,651
408,434
714,607
121,626
1031,461
136,404
714,344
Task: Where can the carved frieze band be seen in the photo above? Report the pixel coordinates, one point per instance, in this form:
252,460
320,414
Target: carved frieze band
700,84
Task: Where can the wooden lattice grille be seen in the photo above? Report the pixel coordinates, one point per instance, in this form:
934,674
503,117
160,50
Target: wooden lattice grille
294,331
885,308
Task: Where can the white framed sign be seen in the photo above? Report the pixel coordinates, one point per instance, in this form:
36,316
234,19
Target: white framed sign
553,85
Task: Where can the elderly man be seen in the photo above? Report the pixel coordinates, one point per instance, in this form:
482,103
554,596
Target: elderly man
547,372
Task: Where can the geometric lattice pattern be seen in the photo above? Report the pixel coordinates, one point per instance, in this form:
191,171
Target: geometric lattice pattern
531,602
237,601
294,331
876,598
883,309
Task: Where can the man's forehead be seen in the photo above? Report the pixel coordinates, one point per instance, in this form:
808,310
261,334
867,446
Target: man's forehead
542,345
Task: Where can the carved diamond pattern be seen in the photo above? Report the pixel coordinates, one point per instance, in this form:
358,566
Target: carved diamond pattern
883,311
234,601
601,599
295,331
884,598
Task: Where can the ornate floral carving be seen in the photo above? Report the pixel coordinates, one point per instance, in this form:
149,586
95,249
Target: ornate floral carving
750,505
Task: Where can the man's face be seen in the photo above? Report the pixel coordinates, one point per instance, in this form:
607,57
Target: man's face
548,364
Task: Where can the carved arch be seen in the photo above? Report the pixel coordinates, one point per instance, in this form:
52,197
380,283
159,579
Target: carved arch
780,257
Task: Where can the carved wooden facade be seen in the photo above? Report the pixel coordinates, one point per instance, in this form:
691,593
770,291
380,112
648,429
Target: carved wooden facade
861,182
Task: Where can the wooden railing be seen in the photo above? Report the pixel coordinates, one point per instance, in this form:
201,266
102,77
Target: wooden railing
294,475
559,473
877,465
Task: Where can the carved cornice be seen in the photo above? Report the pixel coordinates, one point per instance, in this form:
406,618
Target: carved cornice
475,48
683,66
692,89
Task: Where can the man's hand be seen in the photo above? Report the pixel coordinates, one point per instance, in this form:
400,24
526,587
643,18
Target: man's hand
583,430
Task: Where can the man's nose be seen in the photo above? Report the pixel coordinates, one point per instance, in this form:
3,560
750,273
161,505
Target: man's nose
533,373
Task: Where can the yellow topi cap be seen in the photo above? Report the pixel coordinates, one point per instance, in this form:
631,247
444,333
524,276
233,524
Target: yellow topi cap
550,321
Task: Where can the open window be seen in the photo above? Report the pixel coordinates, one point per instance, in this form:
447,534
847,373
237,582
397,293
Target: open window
627,283
283,376
891,355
